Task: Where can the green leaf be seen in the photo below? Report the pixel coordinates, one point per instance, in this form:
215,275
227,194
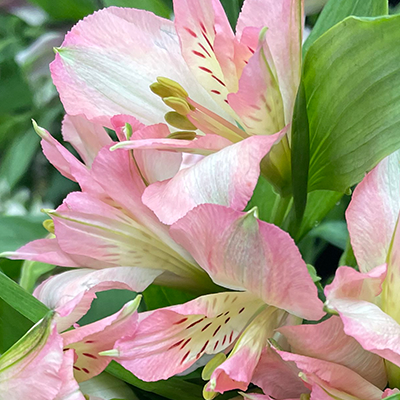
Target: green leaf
173,388
263,198
353,100
337,10
232,9
31,271
16,231
13,326
21,300
393,397
156,6
348,257
319,203
66,10
160,296
18,158
334,232
300,155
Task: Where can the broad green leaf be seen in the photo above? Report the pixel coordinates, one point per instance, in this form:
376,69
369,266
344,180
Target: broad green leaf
263,198
319,203
160,296
66,10
300,155
21,300
337,10
18,158
15,231
156,6
334,232
13,326
173,388
352,80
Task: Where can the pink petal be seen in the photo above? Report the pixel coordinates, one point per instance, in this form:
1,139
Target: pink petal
90,340
208,45
240,252
258,102
71,293
99,75
238,169
30,369
118,123
284,20
86,138
373,212
237,371
43,250
335,375
154,165
69,388
278,378
351,294
327,341
182,334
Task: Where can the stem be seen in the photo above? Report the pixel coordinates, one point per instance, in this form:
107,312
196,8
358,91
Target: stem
280,209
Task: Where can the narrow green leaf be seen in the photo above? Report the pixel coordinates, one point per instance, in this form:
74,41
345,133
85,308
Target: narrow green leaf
353,100
393,397
348,257
232,9
156,6
337,10
300,155
21,300
30,273
173,388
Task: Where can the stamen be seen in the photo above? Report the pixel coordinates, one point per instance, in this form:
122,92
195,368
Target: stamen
182,135
181,106
210,367
165,87
48,224
179,121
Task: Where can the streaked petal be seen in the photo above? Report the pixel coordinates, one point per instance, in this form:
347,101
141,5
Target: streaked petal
90,340
227,178
373,211
99,75
327,341
284,20
240,252
237,371
182,334
71,293
69,388
30,369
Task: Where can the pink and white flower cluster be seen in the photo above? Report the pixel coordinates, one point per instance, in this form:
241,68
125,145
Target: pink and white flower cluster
162,203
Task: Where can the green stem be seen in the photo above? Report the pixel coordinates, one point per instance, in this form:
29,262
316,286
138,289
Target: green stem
280,209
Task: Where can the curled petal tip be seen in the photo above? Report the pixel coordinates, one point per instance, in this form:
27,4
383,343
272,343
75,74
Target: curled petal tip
110,353
39,130
253,212
133,305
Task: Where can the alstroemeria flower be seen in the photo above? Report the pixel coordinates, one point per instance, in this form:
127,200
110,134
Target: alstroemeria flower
217,87
47,365
323,359
107,225
268,281
368,301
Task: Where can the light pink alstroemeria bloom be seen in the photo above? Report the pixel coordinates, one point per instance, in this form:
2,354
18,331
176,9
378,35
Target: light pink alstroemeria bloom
269,281
215,81
47,365
368,301
107,225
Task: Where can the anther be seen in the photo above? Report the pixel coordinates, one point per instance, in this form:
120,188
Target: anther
48,224
182,135
181,106
179,121
165,87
